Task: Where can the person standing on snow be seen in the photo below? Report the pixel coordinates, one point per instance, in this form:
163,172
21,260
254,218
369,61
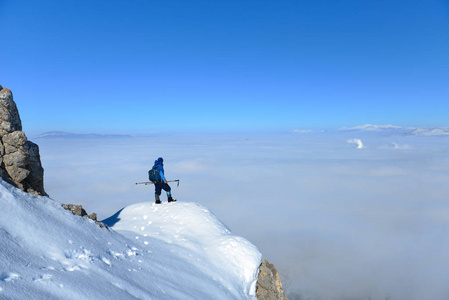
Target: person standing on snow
161,184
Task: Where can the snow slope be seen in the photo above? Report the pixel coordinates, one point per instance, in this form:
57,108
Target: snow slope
170,251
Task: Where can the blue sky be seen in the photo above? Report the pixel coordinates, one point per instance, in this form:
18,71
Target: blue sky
140,66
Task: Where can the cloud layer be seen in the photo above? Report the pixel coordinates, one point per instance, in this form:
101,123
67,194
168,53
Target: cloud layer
337,222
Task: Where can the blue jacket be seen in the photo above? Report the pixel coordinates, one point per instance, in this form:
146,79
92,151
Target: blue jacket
160,166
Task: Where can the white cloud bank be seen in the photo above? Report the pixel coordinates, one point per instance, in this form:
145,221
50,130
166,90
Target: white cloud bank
402,147
337,223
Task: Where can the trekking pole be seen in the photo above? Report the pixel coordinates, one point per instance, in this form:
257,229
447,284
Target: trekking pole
151,182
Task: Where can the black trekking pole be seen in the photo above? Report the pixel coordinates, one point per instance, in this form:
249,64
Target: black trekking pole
151,182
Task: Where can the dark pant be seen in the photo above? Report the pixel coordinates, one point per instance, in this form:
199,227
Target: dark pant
162,186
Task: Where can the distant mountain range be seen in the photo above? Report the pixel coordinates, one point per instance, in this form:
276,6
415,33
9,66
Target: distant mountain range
370,127
382,129
430,131
70,135
401,130
385,130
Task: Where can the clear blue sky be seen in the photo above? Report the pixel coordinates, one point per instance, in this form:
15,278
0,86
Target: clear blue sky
141,65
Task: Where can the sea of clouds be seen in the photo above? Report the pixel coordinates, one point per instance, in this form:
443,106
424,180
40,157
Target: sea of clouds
349,214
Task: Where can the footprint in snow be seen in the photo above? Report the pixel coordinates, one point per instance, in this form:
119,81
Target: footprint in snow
10,276
44,277
72,268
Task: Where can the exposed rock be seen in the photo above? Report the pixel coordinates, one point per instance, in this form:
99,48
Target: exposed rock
10,119
269,286
20,163
78,210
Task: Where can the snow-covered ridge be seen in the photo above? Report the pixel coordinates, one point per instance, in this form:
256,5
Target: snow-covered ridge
197,235
171,251
423,131
430,131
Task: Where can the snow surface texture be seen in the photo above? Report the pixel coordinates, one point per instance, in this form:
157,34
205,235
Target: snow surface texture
170,251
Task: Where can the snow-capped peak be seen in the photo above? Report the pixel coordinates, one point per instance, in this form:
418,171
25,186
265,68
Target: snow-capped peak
197,234
170,251
431,131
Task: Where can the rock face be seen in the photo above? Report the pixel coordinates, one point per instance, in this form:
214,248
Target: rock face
78,210
20,163
269,286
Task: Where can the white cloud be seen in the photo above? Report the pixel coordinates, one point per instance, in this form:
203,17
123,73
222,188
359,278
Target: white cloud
314,207
189,166
403,147
356,141
387,172
394,145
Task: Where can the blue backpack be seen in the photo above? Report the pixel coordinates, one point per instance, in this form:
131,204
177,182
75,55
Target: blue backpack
154,175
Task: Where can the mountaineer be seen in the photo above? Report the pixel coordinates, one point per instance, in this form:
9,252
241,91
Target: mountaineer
157,176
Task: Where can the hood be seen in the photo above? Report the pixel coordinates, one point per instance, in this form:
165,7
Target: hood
159,161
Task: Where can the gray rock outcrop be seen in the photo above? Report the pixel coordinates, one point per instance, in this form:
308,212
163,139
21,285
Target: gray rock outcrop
78,210
20,163
269,286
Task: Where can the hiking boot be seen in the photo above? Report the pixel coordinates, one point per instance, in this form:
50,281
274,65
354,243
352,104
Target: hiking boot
170,199
158,200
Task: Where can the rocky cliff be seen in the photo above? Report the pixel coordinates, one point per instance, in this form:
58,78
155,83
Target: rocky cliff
269,286
20,163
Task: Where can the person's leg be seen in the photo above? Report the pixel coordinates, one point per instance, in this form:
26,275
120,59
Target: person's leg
157,192
157,198
167,188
